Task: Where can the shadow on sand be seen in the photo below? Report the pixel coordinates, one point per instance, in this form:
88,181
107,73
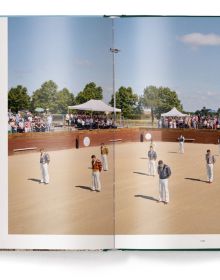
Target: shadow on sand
84,188
34,180
173,153
143,158
141,173
146,197
195,179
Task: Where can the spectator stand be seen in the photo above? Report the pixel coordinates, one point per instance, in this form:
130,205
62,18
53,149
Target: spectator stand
85,121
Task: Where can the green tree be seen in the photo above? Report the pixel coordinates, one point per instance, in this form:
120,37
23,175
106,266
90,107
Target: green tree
64,98
18,99
90,91
138,110
167,100
204,111
45,96
151,99
127,101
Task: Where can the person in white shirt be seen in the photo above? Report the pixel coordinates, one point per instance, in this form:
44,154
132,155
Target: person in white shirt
152,156
210,161
181,144
44,162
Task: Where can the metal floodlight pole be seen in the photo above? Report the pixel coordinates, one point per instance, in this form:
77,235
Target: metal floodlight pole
113,50
113,67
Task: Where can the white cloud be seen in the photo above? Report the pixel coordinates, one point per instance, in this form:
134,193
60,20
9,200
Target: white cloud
199,39
211,93
82,62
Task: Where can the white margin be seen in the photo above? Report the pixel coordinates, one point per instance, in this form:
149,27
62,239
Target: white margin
168,242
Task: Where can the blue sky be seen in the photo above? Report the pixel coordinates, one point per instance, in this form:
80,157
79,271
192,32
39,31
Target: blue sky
182,53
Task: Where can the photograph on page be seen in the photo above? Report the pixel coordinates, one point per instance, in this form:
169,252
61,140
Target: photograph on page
168,162
60,126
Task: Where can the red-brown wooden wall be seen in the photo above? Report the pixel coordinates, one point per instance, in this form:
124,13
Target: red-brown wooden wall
68,139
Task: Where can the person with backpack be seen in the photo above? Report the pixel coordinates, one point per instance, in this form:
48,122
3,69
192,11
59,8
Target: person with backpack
210,161
164,173
96,169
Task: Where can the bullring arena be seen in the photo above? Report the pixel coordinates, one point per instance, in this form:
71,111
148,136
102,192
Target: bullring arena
68,206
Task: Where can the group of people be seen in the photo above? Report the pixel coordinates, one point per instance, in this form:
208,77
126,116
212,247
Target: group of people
194,122
24,122
85,121
162,169
96,165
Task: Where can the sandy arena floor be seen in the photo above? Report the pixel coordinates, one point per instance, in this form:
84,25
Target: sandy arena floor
67,206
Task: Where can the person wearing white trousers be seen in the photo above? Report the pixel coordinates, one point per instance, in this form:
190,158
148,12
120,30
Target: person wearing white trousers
96,184
181,144
164,173
44,162
151,167
210,161
152,156
96,169
164,191
104,157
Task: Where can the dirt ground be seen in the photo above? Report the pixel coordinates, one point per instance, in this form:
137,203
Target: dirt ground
67,206
194,206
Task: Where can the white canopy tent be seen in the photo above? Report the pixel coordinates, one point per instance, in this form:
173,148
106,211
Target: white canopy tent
94,105
174,113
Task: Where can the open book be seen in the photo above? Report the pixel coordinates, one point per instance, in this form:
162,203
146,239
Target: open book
110,133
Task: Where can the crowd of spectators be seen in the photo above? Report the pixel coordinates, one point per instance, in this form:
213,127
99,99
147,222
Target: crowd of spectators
85,121
27,122
194,122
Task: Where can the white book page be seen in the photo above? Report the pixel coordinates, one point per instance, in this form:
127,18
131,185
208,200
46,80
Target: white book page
21,229
176,57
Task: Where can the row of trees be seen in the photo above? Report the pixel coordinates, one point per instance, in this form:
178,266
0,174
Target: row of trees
48,96
205,112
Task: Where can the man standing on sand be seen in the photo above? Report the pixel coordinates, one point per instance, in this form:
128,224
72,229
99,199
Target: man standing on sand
164,173
104,156
181,144
96,169
152,156
44,162
210,161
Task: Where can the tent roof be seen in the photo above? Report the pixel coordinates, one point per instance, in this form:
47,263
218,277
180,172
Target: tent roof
174,113
94,105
